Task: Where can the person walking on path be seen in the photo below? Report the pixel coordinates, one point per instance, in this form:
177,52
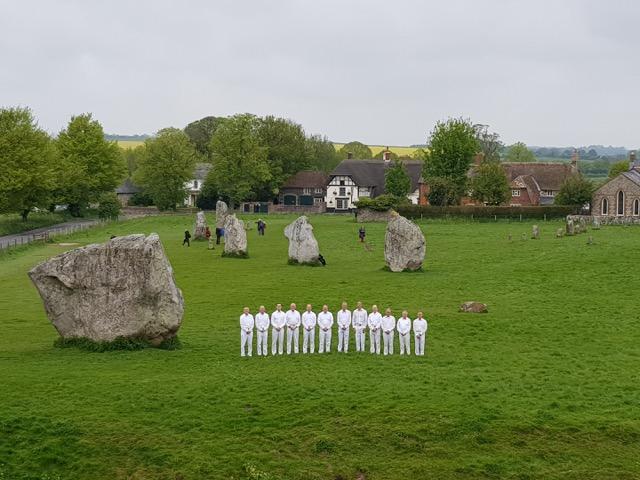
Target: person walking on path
361,234
246,332
325,324
420,331
404,327
187,237
344,323
359,321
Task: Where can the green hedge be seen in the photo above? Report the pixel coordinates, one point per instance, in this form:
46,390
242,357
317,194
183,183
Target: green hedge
489,212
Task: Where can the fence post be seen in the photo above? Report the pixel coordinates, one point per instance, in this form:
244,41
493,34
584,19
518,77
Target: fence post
520,217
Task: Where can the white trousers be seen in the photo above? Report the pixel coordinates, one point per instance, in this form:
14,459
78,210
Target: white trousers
246,340
374,341
343,340
324,343
261,342
309,336
293,337
360,339
405,343
419,344
387,340
277,341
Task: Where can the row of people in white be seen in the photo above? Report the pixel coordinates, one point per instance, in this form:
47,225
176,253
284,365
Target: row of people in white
290,321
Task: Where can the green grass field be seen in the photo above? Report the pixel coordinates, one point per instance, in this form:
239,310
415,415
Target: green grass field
544,386
12,223
375,149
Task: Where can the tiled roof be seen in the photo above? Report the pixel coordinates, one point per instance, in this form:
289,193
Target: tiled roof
549,176
307,179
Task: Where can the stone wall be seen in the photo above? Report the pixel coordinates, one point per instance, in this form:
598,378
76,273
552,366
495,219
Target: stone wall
367,215
610,191
606,220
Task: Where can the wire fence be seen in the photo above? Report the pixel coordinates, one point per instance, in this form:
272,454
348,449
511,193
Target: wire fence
48,235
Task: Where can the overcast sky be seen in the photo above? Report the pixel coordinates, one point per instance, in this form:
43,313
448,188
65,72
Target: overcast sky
560,72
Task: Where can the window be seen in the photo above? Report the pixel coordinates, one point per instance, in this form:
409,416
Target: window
319,190
515,193
341,182
317,201
620,205
605,207
636,207
548,193
306,191
343,191
195,184
341,204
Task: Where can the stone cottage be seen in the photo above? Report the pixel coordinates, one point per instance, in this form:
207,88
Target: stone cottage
619,198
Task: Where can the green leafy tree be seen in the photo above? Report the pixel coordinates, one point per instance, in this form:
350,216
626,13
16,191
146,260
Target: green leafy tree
168,163
396,180
618,167
91,164
519,152
132,157
576,190
27,160
323,155
108,206
490,184
420,154
240,161
452,146
489,144
356,149
201,132
287,153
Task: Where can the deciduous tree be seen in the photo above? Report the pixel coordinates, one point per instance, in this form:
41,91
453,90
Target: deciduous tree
519,152
490,184
168,163
576,190
27,161
356,149
201,132
618,167
396,180
322,153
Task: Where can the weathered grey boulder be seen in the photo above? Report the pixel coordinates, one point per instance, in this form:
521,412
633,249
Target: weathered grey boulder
560,233
404,245
535,232
596,223
474,307
303,246
200,228
121,288
221,213
235,237
570,228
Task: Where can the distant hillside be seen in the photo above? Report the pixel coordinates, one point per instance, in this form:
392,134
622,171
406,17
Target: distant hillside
375,149
126,138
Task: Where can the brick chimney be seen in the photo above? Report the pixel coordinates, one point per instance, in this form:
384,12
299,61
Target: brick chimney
349,155
574,161
386,155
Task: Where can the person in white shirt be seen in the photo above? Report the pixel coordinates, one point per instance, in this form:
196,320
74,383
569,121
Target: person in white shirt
374,322
388,326
309,333
359,322
246,332
325,323
404,327
292,317
262,327
420,331
278,323
344,322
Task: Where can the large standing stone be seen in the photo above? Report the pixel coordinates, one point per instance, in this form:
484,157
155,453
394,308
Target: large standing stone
535,232
235,237
596,223
404,245
199,230
570,228
221,213
303,246
121,288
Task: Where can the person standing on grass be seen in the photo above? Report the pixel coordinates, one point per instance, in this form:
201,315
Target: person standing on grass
362,233
359,321
187,237
261,226
278,322
218,235
344,322
388,326
309,334
420,331
246,332
325,324
374,322
404,329
292,318
262,327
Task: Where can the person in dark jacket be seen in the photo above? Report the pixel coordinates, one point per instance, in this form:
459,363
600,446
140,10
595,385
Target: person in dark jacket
187,237
362,234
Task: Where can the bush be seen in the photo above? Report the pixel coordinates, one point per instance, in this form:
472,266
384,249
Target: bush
109,206
140,199
383,203
502,212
